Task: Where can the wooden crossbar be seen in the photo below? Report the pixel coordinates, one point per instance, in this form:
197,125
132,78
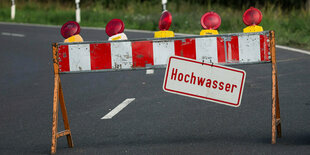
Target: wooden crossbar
63,133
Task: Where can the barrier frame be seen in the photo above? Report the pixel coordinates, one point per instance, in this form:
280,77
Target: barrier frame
58,98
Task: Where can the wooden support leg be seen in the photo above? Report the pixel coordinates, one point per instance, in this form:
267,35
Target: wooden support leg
65,116
273,108
278,120
275,118
59,98
55,114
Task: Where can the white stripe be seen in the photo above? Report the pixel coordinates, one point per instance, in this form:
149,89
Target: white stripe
121,53
150,71
12,34
206,49
293,49
118,108
249,48
79,57
6,33
162,50
17,35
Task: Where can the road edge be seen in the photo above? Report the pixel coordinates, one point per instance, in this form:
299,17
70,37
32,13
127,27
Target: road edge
144,31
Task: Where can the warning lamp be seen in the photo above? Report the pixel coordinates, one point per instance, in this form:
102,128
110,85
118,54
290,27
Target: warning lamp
71,32
252,17
164,25
210,21
165,21
115,30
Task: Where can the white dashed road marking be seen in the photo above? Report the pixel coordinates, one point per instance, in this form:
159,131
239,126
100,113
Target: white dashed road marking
12,34
118,108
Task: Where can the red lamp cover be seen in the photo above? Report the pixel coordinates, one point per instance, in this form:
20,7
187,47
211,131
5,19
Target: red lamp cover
69,29
165,21
114,26
252,16
210,20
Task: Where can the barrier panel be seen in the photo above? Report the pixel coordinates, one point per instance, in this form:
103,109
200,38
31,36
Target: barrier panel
235,48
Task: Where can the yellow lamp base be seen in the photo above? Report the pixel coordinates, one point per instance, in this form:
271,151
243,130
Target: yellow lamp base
120,36
208,32
254,28
163,34
75,38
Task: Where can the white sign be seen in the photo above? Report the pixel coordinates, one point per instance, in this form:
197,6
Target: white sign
215,83
164,1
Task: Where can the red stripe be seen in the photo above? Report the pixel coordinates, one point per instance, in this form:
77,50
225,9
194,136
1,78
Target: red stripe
264,48
185,49
63,52
232,49
100,56
142,53
220,50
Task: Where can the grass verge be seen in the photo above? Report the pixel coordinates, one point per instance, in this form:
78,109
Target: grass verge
292,27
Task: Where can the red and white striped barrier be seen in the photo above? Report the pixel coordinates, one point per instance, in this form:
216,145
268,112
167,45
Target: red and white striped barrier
241,48
234,48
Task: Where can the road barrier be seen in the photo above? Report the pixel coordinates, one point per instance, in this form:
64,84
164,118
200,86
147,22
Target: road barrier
237,48
91,56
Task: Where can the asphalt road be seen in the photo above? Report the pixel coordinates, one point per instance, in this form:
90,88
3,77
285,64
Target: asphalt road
156,122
